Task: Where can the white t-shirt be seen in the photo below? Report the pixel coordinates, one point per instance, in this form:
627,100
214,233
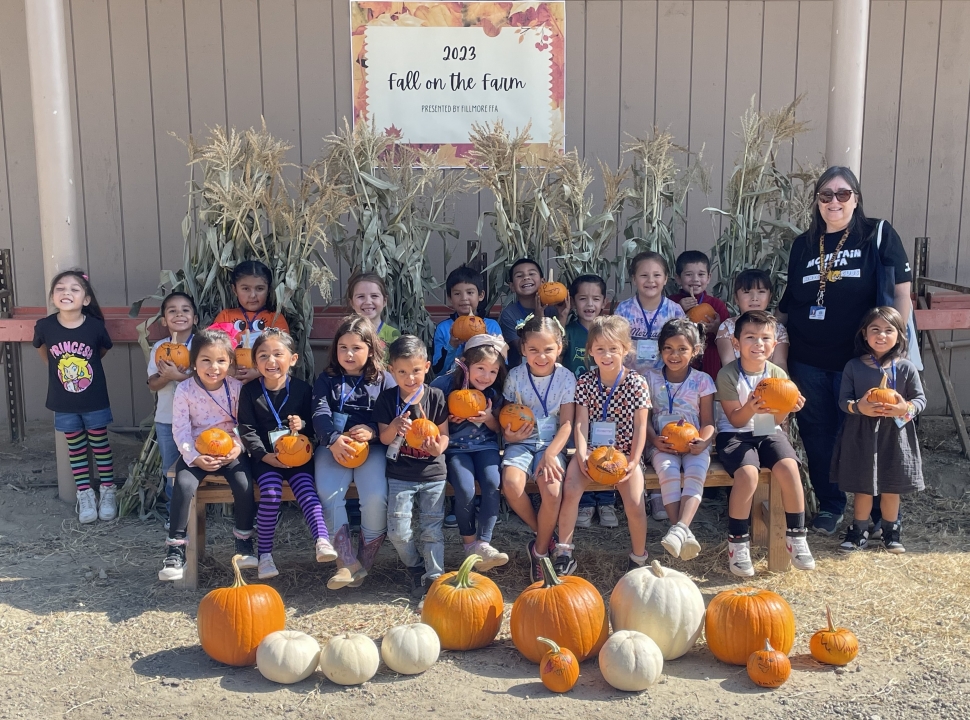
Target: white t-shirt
556,389
165,394
732,384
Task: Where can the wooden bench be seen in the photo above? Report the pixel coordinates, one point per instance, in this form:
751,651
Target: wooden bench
767,516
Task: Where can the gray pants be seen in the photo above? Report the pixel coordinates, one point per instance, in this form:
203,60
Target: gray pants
430,496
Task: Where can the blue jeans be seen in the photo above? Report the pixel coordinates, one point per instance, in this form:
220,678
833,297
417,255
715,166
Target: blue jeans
431,516
598,498
333,479
818,424
170,455
464,468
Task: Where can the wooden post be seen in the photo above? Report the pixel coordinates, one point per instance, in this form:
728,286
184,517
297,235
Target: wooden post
847,83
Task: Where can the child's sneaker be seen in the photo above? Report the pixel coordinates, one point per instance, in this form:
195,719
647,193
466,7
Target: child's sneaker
796,543
826,523
450,522
585,517
890,538
490,556
636,562
266,568
739,557
325,551
535,563
563,562
855,538
608,517
875,532
87,506
415,575
174,564
691,548
674,540
248,561
108,507
657,509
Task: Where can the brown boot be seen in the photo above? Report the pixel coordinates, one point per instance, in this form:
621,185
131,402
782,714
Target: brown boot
366,553
348,566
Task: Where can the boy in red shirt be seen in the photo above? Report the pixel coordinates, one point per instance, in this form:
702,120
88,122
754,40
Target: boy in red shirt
693,274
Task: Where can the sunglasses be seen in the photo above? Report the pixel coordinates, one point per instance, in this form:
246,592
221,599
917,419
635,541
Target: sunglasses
827,196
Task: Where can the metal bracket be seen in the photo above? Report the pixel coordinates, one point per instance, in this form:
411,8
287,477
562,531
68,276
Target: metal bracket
10,355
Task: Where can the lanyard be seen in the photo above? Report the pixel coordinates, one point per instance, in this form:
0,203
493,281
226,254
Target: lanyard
671,394
279,423
404,408
542,398
825,272
649,323
228,409
344,398
609,396
892,378
744,376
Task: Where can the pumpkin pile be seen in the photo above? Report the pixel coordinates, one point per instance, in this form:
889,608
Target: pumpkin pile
464,608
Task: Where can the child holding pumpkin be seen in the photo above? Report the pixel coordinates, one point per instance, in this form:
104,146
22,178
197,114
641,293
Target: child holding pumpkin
465,291
877,451
612,403
750,437
752,291
474,396
683,407
525,279
692,271
205,409
270,411
344,397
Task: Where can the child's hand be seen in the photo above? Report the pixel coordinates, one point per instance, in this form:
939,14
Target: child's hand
699,445
583,463
208,463
454,342
233,454
245,375
524,433
295,422
342,452
688,302
169,371
758,404
800,403
401,424
434,446
897,409
869,409
660,442
483,415
548,470
270,459
361,433
630,469
710,329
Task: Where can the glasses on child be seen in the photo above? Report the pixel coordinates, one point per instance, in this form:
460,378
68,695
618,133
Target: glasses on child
827,196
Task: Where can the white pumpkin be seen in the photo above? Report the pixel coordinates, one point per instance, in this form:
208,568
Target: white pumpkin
350,659
663,604
410,649
631,661
287,656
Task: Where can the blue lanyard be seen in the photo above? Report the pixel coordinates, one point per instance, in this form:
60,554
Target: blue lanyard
671,394
344,398
227,410
404,408
542,398
279,423
892,379
649,323
744,376
609,396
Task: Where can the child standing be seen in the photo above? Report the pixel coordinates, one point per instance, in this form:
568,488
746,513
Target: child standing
367,296
877,452
750,437
752,291
269,409
344,397
414,474
611,409
472,453
537,449
210,399
71,342
525,277
680,392
465,291
693,274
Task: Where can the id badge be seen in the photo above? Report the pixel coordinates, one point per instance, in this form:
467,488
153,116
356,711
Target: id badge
547,429
817,312
647,351
664,420
602,432
236,430
340,421
764,424
275,435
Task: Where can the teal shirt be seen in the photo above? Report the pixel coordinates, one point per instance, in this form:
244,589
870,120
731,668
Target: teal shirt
574,356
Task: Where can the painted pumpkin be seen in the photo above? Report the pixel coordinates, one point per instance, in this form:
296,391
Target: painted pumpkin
215,442
559,668
553,293
466,327
350,659
466,403
569,611
739,620
173,352
287,656
883,393
680,434
832,645
243,357
779,395
294,450
464,608
361,451
631,661
768,668
421,428
410,649
606,465
233,621
515,416
703,314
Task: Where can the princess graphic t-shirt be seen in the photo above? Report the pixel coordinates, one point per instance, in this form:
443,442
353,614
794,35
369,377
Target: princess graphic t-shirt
240,325
76,382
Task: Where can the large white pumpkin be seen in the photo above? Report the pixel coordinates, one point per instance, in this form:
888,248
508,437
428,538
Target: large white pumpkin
287,656
410,649
350,659
663,604
630,661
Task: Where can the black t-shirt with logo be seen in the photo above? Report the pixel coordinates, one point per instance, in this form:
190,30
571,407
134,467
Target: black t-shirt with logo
827,343
414,465
76,382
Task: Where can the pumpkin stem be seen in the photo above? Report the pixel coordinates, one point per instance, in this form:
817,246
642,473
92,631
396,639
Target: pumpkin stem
657,568
238,582
828,610
549,577
461,580
882,383
768,647
552,645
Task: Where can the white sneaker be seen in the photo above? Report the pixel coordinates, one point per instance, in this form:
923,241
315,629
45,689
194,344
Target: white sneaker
87,506
801,556
691,548
266,568
673,541
490,556
325,551
657,509
739,558
585,517
608,517
108,507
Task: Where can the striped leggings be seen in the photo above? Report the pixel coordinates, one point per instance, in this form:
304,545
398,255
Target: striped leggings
270,481
77,450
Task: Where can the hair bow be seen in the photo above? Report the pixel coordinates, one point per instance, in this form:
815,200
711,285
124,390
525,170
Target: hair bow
521,323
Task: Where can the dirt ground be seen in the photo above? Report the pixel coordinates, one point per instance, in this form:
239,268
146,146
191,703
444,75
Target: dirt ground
87,631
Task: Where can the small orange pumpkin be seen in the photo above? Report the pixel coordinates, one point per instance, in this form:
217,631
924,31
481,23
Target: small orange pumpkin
466,403
244,358
883,393
702,313
680,434
294,449
739,620
768,668
173,352
421,428
780,395
464,608
233,621
515,416
559,668
606,465
361,451
553,293
466,327
215,442
832,645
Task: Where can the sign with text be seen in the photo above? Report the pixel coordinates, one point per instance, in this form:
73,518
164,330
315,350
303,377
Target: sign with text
428,71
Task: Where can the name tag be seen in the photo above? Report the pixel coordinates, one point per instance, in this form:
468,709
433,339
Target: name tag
340,421
602,432
817,312
547,427
664,419
275,435
647,351
764,424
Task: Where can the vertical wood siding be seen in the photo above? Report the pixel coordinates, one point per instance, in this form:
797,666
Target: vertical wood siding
143,69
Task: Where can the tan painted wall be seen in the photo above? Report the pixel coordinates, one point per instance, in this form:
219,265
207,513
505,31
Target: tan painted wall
145,68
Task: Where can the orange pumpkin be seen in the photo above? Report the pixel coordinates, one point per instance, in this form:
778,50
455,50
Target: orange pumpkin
552,293
244,358
559,668
233,621
832,645
568,610
173,352
680,434
883,393
515,416
702,313
466,327
739,620
421,428
361,451
294,449
215,442
466,403
768,668
464,608
606,465
779,395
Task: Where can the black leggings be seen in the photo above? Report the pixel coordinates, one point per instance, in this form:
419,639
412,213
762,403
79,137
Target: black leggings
187,481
